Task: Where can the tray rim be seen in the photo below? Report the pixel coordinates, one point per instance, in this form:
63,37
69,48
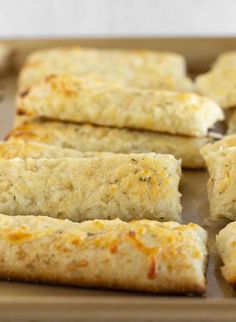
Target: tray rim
122,309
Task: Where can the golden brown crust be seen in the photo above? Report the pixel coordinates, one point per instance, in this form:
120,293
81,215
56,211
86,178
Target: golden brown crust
140,255
21,119
136,68
19,148
74,99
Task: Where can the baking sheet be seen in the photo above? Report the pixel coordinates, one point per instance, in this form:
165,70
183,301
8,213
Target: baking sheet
30,302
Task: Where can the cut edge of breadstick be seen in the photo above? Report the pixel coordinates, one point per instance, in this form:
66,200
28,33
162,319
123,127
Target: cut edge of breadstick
222,172
225,244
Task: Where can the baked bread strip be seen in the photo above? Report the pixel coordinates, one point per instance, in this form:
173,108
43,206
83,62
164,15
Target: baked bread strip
72,99
219,85
225,60
226,246
19,148
133,186
92,138
222,183
140,255
136,68
220,145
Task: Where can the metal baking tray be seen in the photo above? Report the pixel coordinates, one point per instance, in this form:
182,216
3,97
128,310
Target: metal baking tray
31,302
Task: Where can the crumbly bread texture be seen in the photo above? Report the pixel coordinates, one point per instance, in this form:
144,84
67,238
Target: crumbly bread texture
219,85
232,123
226,246
21,149
133,186
220,145
69,98
5,57
140,255
136,68
225,60
222,183
92,138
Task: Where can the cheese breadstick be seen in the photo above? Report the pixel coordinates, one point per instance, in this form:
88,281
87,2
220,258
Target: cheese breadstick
219,85
129,187
83,101
140,255
136,68
93,138
225,60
